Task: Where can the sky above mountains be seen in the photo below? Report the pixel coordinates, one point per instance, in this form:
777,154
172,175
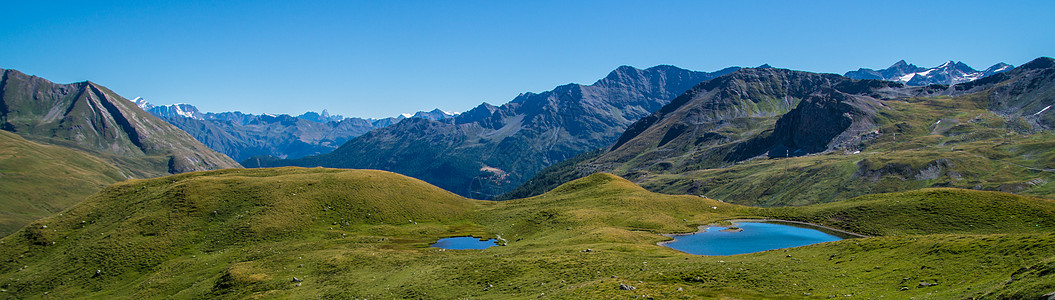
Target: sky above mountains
383,58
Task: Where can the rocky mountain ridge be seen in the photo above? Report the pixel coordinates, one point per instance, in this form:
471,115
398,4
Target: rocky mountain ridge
490,149
89,117
242,136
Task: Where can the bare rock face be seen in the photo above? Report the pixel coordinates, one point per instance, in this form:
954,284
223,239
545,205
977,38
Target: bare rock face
90,117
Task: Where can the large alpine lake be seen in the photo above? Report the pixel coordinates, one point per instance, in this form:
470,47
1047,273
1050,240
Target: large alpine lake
754,237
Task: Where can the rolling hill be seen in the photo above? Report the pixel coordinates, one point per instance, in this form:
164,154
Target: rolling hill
325,233
41,180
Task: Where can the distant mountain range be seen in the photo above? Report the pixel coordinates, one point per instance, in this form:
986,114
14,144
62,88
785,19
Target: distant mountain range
776,137
948,73
490,149
242,136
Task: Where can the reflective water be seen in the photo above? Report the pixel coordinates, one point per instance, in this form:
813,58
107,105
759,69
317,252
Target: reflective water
465,243
755,237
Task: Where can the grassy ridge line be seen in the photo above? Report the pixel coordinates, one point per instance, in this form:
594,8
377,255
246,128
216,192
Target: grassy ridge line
365,234
930,211
135,225
40,180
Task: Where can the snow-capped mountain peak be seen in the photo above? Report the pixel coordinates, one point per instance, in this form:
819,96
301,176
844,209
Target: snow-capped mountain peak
142,103
997,68
950,72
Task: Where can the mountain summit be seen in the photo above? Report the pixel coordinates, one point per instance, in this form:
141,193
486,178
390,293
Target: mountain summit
91,118
948,73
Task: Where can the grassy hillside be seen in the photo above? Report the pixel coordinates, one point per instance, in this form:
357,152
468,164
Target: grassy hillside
948,142
365,234
929,211
42,180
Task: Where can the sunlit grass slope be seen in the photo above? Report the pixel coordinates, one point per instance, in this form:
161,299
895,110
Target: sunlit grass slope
926,142
41,180
365,234
926,211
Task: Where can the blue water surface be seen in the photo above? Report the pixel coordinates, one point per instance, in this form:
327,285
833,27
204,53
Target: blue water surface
465,243
755,237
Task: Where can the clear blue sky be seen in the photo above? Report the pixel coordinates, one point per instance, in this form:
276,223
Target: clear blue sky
382,58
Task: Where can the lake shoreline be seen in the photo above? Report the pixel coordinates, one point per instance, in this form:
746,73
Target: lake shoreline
703,228
854,235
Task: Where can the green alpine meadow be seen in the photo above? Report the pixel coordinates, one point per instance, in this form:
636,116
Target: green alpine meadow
328,233
527,150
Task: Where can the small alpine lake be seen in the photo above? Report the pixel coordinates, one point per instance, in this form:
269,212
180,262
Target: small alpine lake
749,236
465,243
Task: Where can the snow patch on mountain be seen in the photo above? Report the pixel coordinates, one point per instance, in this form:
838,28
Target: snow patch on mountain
949,73
1042,110
142,103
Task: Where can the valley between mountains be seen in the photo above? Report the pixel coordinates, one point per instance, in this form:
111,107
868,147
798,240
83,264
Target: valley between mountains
946,171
